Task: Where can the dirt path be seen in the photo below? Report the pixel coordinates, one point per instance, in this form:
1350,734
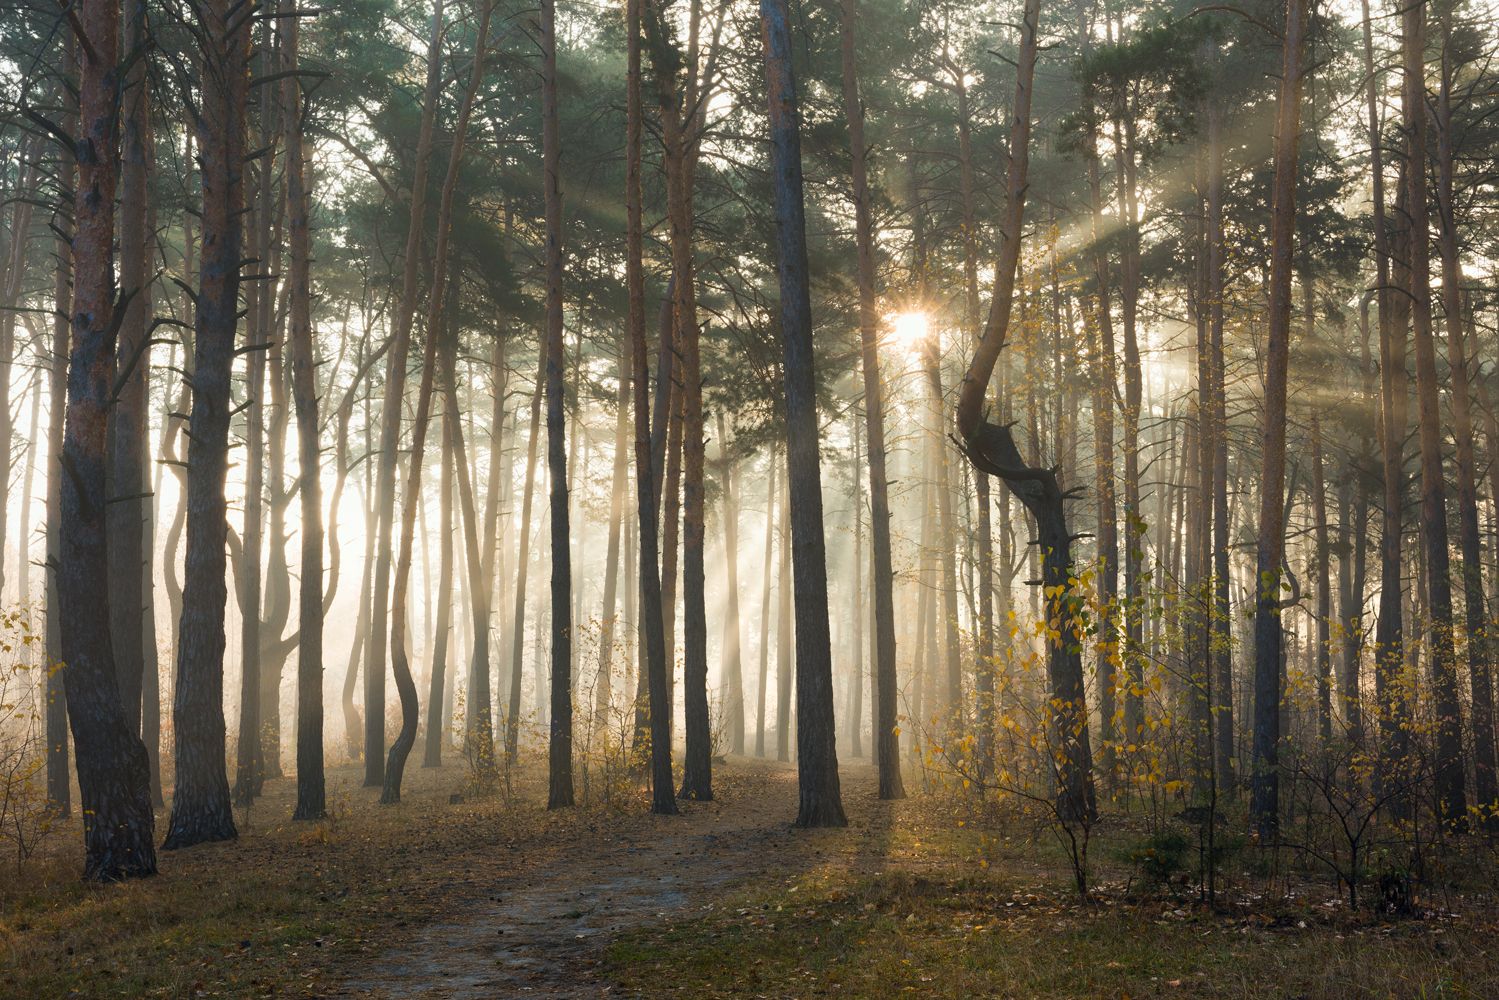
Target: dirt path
542,930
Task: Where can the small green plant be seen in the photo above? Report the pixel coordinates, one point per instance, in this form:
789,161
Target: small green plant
1161,858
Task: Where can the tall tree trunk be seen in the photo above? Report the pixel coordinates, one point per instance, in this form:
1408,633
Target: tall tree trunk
1450,790
603,692
129,417
201,809
390,418
523,564
647,488
947,541
311,799
1389,637
1322,560
772,493
733,658
362,645
560,748
1134,517
479,730
436,712
820,802
250,765
59,787
853,641
113,774
984,626
1264,804
992,449
1220,636
1480,645
785,631
437,315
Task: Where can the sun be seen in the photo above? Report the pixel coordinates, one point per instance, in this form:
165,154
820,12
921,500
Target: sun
910,328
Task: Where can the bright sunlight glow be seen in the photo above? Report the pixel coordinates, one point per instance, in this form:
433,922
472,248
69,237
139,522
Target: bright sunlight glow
909,329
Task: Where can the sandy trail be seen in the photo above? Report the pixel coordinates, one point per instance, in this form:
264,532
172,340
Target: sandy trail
541,931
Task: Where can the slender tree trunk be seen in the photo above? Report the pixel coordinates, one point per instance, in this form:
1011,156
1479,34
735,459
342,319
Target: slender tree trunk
129,417
733,659
1451,793
647,483
479,732
1322,559
59,788
853,640
560,749
767,576
817,757
947,541
785,631
497,494
390,419
1220,635
1270,554
523,563
437,299
438,679
1389,639
984,626
436,711
1480,645
603,692
311,798
113,772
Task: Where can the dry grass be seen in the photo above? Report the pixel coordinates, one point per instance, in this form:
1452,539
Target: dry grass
904,902
940,911
278,911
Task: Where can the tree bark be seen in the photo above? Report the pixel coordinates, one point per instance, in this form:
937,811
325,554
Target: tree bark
59,786
1450,787
311,797
1389,636
129,418
647,485
992,450
390,418
436,712
113,773
1480,644
201,809
733,648
560,748
820,802
439,312
1264,807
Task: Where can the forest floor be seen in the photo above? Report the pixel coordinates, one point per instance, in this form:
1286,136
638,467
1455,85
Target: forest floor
502,899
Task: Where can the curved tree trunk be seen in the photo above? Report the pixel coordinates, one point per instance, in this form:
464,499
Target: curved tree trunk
991,448
390,419
437,315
